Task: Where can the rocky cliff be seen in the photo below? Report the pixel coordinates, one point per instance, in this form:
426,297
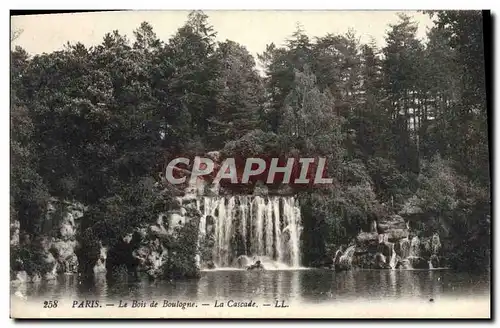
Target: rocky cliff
52,251
391,244
58,248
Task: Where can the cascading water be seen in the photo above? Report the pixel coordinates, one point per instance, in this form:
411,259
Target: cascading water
346,258
392,261
244,229
404,248
415,247
265,228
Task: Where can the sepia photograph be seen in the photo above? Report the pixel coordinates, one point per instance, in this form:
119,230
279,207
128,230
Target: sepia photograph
265,164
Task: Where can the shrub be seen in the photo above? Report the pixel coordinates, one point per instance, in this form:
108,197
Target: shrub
183,247
29,258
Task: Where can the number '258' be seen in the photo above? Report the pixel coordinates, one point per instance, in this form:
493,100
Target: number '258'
50,304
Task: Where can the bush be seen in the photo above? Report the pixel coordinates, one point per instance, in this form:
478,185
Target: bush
254,144
88,252
29,258
462,210
183,247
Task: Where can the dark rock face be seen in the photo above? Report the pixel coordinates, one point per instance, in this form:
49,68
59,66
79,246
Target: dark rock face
241,262
391,245
434,261
402,248
392,223
380,262
385,249
418,263
56,244
121,254
100,265
336,260
403,264
367,241
256,266
344,260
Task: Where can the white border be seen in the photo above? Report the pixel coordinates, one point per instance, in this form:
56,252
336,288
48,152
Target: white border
190,4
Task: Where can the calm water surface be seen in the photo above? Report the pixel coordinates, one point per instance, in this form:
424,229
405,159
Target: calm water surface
310,286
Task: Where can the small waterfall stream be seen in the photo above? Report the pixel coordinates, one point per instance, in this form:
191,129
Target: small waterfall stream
392,261
415,247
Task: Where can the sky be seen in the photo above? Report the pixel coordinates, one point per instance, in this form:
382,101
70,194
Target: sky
253,29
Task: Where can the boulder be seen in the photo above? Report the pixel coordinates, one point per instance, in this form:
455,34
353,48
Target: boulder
256,266
158,231
403,264
214,155
155,261
67,229
363,260
392,222
426,246
36,278
176,220
100,266
64,252
14,233
434,261
391,234
336,258
367,237
394,235
385,249
21,277
366,242
411,207
210,265
343,260
418,263
260,189
402,248
380,261
241,261
435,244
51,275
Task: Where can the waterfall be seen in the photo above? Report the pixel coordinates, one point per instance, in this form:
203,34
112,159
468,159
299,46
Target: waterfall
346,258
392,261
258,227
404,245
277,236
292,226
243,223
415,247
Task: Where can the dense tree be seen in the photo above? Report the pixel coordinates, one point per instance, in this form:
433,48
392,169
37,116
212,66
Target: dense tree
96,125
195,81
240,100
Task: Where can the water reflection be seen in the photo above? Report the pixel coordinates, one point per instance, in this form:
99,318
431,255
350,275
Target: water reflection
310,286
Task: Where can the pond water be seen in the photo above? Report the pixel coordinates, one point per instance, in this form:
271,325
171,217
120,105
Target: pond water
301,286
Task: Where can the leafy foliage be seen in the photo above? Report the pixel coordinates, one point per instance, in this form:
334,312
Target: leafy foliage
180,263
29,258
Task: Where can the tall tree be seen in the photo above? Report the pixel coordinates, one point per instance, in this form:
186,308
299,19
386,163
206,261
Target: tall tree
402,57
280,66
240,101
465,32
195,79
